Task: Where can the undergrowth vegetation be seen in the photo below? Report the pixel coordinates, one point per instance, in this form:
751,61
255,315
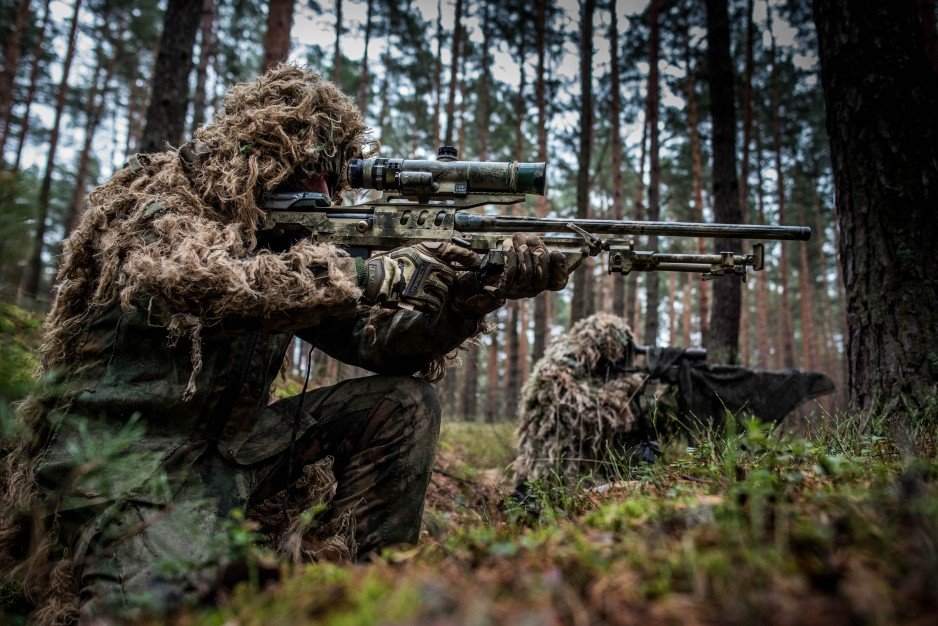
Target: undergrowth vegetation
746,525
751,525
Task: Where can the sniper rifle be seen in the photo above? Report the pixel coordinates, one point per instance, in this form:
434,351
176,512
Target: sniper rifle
423,201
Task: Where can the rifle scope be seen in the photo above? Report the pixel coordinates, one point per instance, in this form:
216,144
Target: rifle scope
447,176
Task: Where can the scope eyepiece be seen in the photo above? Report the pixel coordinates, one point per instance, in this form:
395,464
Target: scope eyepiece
356,173
447,177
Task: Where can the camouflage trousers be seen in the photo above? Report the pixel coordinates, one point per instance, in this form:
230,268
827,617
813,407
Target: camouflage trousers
382,433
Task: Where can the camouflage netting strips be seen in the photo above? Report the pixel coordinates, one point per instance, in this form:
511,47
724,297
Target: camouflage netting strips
574,418
168,230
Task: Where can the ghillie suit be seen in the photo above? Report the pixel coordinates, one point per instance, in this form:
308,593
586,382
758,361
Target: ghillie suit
576,418
170,322
588,407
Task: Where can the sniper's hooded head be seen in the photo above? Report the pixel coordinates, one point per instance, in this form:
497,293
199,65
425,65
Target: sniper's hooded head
287,128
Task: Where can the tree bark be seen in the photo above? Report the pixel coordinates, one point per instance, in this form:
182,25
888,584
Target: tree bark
672,308
582,302
470,390
749,66
454,70
654,165
29,288
363,80
806,297
277,37
881,98
762,284
169,101
723,340
438,75
787,327
633,302
512,360
542,301
687,302
31,90
11,63
94,109
206,51
615,108
703,289
337,50
492,379
516,330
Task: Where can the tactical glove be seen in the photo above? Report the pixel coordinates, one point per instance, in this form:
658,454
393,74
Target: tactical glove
417,277
528,269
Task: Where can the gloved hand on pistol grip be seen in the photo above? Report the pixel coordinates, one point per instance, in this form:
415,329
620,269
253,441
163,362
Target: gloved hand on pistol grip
415,277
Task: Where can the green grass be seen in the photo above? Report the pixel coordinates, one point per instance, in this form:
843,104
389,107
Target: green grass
479,445
744,527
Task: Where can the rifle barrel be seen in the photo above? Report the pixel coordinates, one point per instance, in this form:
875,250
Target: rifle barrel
469,222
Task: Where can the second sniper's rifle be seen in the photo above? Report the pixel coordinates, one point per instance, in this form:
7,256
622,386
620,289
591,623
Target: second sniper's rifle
423,201
705,391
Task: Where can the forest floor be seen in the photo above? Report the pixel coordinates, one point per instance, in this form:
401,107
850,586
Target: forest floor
834,525
750,527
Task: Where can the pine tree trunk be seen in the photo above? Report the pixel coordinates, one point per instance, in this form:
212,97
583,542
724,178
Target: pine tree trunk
524,350
135,104
806,297
206,51
881,98
786,330
363,80
438,75
94,109
832,364
512,361
337,50
703,300
654,159
492,378
461,109
515,331
723,340
633,304
542,301
470,387
672,308
762,284
615,108
482,115
169,101
582,296
11,63
34,71
687,302
744,348
454,70
383,110
277,37
29,288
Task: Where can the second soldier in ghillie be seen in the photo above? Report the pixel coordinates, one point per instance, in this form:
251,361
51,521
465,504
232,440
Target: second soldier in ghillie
170,322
